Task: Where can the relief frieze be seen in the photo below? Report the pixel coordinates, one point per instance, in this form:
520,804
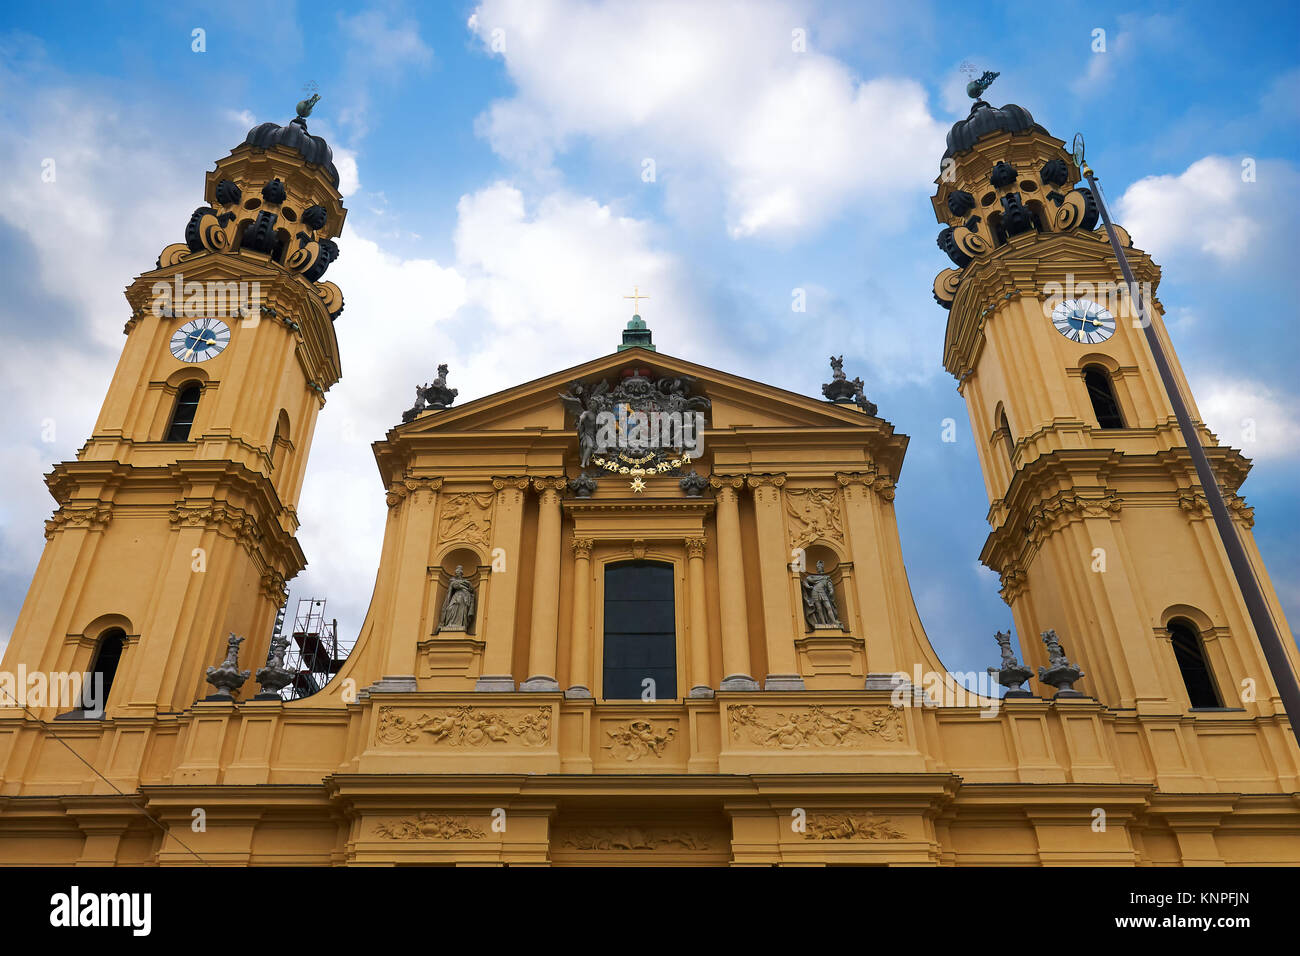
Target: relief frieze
634,838
430,826
637,739
850,826
466,727
815,727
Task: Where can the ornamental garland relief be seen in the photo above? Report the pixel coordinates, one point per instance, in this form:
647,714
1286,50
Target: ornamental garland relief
95,519
430,826
1056,512
850,826
466,727
815,727
224,518
814,513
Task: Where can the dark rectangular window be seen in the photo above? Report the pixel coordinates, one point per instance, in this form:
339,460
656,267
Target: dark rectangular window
640,631
187,405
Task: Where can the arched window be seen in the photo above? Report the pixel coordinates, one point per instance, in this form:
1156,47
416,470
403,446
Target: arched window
1104,404
640,631
280,443
187,405
1189,650
1004,429
99,679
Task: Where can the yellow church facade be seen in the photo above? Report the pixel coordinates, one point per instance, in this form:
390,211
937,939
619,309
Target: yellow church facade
583,648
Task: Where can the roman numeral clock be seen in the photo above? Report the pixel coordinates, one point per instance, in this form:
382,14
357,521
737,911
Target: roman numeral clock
200,339
1083,321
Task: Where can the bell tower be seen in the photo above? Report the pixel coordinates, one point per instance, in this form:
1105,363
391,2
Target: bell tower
1100,526
176,523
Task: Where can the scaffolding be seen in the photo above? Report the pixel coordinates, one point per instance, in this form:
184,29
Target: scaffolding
315,652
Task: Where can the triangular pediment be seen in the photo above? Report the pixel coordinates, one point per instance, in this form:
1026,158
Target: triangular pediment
532,416
737,402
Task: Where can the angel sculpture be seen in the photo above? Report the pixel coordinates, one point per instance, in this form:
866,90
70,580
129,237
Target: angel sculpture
586,402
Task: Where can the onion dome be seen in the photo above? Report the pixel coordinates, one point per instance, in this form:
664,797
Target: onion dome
985,119
294,135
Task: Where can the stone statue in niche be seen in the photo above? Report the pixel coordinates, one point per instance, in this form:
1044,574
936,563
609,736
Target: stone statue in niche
819,608
458,608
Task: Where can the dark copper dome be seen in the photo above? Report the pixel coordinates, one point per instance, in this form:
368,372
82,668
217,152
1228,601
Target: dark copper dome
985,119
294,135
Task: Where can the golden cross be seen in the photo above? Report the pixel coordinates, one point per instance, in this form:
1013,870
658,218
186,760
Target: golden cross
636,298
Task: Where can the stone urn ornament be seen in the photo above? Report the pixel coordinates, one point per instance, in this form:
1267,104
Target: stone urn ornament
274,677
434,396
584,486
226,677
842,390
1060,672
1011,674
693,484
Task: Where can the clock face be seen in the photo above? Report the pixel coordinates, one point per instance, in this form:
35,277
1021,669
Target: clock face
1083,321
200,339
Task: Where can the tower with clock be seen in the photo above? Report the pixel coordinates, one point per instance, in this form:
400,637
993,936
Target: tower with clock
1100,528
176,523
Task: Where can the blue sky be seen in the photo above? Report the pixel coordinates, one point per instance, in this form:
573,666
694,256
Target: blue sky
494,158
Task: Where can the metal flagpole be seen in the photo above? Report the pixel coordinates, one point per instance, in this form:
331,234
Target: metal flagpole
1260,615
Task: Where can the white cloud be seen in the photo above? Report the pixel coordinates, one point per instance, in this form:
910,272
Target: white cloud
1252,417
382,44
345,161
532,290
1209,210
380,48
1118,45
716,90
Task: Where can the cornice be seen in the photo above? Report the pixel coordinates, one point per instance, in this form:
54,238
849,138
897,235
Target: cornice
1023,267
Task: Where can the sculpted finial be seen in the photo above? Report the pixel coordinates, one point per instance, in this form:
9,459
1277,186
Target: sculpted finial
975,88
305,107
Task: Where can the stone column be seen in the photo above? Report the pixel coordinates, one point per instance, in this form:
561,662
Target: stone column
774,574
498,630
699,619
875,584
545,627
731,588
418,499
581,637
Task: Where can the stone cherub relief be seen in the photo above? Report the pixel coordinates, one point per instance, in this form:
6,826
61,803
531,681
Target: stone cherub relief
638,739
459,607
819,608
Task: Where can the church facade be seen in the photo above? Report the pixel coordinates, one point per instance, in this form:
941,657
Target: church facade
642,611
